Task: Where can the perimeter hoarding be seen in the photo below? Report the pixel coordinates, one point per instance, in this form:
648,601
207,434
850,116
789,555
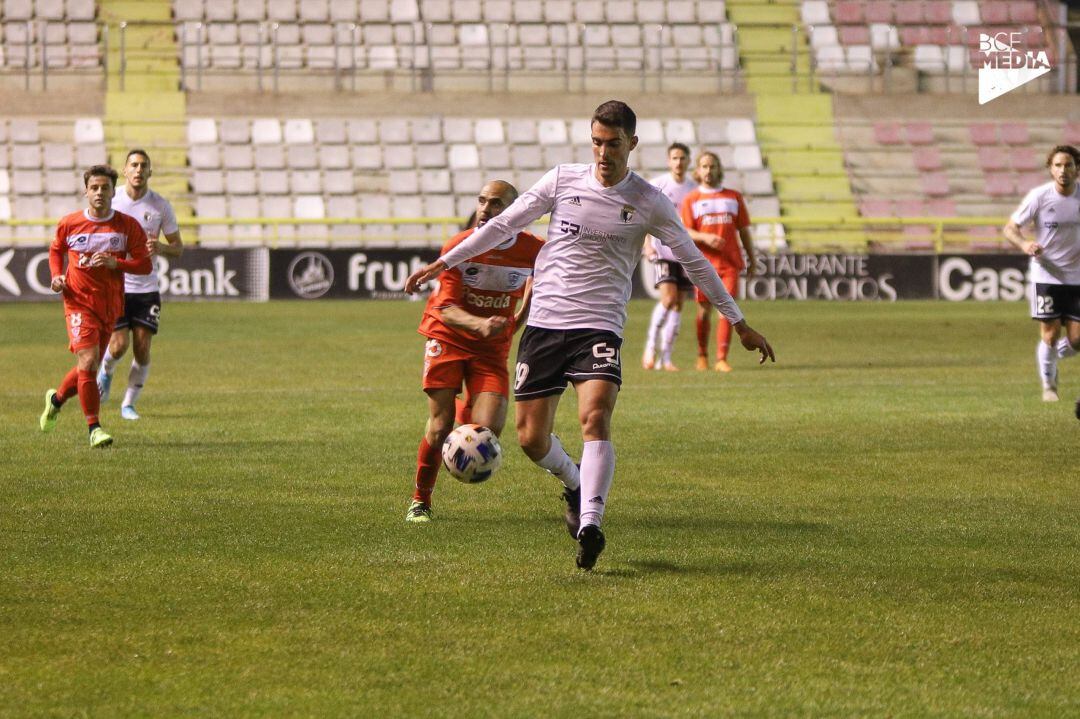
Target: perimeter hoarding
198,274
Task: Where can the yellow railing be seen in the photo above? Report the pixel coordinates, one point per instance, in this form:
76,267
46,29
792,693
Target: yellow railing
775,233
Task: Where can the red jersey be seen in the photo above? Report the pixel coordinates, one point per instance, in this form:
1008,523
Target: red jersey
719,212
98,290
487,285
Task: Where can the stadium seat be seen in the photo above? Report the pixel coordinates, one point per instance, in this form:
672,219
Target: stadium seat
299,132
458,129
489,132
467,182
235,132
919,133
467,11
92,154
1015,133
334,157
341,206
62,182
241,182
210,206
81,10
740,131
394,131
712,131
816,12
363,132
552,132
887,133
431,156
274,182
89,130
399,157
983,133
927,158
678,130
266,157
463,156
403,182
367,157
1000,185
302,157
408,206
747,157
935,184
309,207
993,158
58,155
526,157
557,155
966,13
26,157
495,157
1026,160
339,182
763,207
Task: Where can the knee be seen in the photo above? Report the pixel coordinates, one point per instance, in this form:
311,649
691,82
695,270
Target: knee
596,424
534,444
438,428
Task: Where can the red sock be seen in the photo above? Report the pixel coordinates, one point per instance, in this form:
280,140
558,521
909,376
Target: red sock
723,338
463,411
69,387
427,470
703,336
88,396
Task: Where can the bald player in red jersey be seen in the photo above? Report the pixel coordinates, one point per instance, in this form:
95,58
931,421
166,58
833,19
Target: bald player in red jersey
469,324
101,245
715,216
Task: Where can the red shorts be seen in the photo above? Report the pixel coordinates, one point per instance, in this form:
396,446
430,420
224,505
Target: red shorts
86,330
728,275
447,366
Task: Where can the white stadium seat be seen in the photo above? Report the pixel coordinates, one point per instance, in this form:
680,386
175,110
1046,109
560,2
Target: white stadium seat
89,129
266,131
309,207
740,131
431,156
300,131
489,131
464,156
552,132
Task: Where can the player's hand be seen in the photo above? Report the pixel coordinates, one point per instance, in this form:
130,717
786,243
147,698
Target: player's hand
717,243
753,340
1033,248
153,246
492,326
58,283
103,259
423,275
750,269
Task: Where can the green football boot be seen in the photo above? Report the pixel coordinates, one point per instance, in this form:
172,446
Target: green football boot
100,438
48,417
419,512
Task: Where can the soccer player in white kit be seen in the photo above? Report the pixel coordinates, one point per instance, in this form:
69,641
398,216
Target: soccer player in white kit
669,278
600,214
142,300
1054,210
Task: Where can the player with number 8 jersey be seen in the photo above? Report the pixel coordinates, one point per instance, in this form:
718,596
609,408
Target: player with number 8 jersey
100,245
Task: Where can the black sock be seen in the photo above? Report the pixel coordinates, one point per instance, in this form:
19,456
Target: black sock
94,426
56,401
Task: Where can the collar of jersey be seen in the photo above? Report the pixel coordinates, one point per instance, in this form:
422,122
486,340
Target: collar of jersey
702,188
87,215
596,184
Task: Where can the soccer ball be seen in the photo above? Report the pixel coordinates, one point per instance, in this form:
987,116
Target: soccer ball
471,453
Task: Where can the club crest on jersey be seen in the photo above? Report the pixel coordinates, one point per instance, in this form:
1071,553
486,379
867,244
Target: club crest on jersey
147,216
627,214
114,241
433,348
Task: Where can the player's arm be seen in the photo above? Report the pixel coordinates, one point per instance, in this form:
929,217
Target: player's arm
670,230
57,250
529,207
173,246
1024,213
526,302
138,248
746,236
461,319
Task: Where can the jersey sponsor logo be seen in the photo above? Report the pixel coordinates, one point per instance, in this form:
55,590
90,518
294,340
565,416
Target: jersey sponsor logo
626,214
715,206
494,278
310,275
717,220
571,228
495,302
606,355
97,242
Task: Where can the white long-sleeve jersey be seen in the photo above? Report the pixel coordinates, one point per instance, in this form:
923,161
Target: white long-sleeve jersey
583,273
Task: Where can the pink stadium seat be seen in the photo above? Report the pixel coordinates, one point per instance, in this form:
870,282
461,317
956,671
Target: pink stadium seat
1027,180
1026,160
909,13
887,133
1072,133
854,34
983,133
1023,12
935,184
938,12
1015,133
879,11
874,207
995,12
916,35
1000,185
910,208
941,207
993,158
927,158
849,13
919,133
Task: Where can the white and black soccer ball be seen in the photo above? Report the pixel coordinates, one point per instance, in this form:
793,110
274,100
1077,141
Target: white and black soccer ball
471,453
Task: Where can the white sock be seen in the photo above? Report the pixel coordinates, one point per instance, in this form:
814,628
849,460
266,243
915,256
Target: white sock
597,471
108,362
136,380
1065,348
671,331
658,314
559,463
1046,357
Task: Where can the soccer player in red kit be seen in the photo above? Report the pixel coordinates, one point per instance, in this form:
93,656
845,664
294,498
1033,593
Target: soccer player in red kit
469,324
715,216
101,245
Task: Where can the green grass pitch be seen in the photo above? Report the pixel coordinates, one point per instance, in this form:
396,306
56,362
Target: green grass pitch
884,523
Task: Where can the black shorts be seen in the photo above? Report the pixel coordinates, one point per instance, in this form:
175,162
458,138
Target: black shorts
1052,302
548,359
143,309
671,271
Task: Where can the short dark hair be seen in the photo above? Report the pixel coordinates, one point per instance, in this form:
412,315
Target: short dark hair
1068,150
678,146
100,171
614,113
137,151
